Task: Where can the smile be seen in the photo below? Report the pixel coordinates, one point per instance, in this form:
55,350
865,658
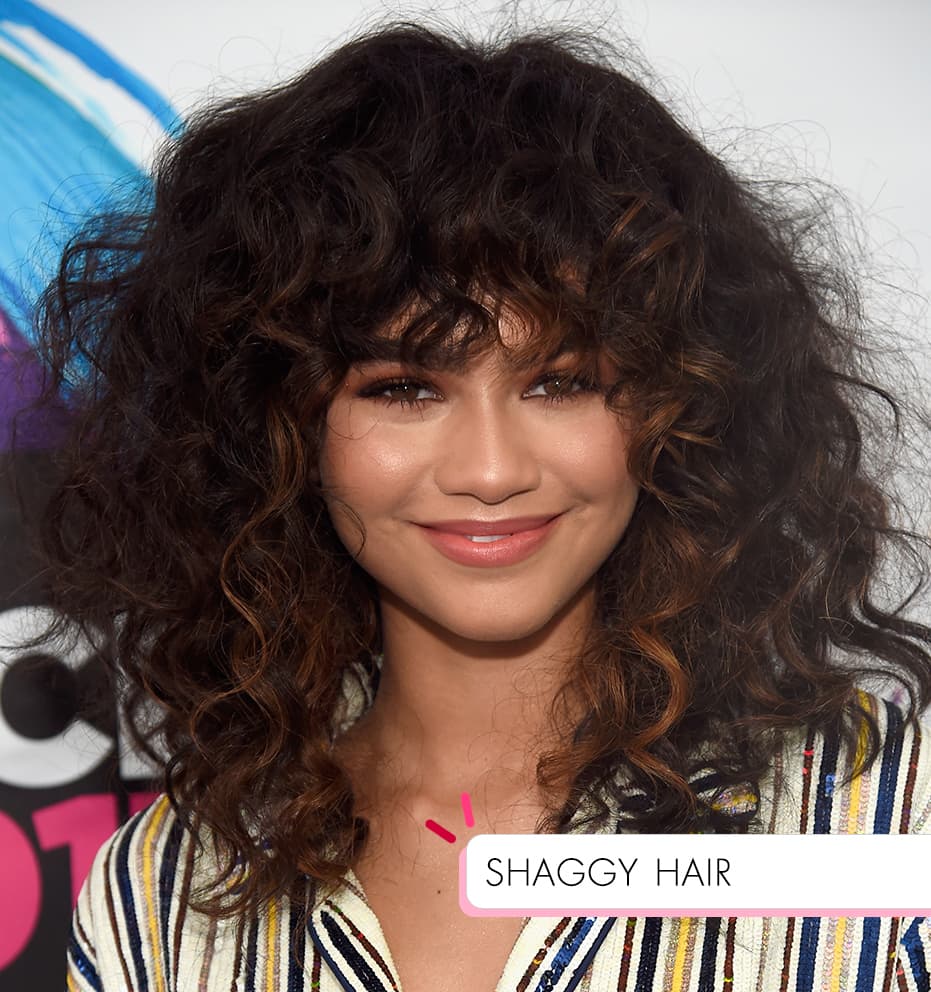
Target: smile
457,540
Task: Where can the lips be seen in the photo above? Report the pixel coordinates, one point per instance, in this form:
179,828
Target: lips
500,542
490,528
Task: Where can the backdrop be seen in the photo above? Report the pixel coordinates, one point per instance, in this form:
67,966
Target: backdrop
88,91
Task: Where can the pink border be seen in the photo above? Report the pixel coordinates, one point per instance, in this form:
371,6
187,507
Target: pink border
466,906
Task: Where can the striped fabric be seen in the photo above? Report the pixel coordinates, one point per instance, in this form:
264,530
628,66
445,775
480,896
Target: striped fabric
132,929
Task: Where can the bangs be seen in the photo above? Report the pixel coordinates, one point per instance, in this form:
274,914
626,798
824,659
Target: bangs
449,333
422,213
423,218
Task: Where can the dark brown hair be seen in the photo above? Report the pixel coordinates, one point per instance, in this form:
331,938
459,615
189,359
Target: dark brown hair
198,339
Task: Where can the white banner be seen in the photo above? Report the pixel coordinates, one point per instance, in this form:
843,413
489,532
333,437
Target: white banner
696,875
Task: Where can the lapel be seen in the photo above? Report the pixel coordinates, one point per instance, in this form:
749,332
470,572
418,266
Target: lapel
349,938
551,954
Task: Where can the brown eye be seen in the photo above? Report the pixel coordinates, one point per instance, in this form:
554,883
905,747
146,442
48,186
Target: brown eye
401,392
404,392
556,386
559,386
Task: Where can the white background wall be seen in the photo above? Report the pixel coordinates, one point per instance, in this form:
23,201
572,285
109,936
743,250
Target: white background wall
841,87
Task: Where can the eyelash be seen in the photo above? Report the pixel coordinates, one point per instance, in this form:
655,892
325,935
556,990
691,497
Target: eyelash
376,390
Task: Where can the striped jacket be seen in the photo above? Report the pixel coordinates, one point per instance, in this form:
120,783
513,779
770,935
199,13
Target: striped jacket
133,931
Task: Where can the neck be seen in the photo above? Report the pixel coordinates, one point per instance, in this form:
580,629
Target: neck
455,715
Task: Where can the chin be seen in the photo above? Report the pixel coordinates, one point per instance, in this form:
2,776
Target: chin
506,631
498,625
493,617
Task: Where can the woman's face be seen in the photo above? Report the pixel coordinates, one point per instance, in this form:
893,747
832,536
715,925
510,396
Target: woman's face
531,463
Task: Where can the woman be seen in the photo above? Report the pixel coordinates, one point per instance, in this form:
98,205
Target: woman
452,420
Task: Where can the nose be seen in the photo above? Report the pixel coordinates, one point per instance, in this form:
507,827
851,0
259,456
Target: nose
489,453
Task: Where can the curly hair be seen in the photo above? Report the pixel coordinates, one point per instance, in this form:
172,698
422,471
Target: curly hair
199,337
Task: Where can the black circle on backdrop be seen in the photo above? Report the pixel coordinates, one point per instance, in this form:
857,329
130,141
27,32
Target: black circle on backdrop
39,696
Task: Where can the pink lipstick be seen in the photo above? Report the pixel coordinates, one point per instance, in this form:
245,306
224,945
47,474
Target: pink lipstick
489,543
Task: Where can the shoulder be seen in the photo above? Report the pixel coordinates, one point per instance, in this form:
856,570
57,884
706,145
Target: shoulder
814,785
132,899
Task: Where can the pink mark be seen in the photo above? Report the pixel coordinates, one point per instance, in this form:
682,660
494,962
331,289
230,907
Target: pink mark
81,824
21,888
440,831
466,801
141,800
6,334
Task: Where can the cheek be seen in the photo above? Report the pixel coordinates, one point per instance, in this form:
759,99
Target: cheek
345,448
370,481
342,480
338,466
367,468
337,442
593,459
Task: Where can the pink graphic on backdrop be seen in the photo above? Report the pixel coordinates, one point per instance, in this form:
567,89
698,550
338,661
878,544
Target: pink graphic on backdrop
141,800
81,824
6,334
20,890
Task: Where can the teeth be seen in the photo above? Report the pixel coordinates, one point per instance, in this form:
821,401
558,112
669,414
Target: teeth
485,540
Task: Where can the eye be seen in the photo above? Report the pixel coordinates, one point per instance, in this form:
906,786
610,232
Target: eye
557,386
406,392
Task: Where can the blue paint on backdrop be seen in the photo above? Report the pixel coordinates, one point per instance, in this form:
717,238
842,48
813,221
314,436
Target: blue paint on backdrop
56,168
93,56
57,161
